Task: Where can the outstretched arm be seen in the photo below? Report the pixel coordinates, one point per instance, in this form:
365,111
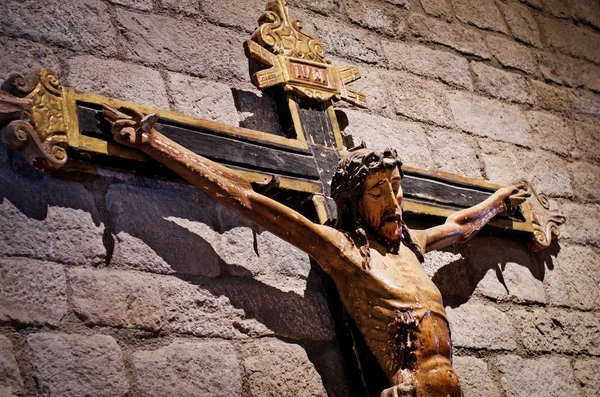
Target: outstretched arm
463,225
132,129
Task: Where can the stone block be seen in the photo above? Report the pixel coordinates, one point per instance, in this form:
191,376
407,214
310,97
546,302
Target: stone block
557,8
540,376
586,183
578,267
551,98
184,46
377,16
426,62
483,14
582,225
11,383
32,292
48,219
534,3
348,42
438,8
379,132
196,310
283,369
183,368
501,84
490,118
587,375
571,39
547,173
75,365
188,7
511,54
204,99
590,76
503,270
462,159
588,139
116,79
233,13
478,326
332,368
584,331
586,11
24,56
420,99
85,26
475,378
521,23
117,299
543,331
552,132
586,106
447,271
463,39
324,7
142,5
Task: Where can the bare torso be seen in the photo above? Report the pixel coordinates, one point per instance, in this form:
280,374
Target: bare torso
400,313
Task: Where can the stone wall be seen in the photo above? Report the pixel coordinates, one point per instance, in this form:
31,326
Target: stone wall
117,285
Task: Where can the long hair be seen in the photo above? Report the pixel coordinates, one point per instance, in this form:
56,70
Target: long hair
347,189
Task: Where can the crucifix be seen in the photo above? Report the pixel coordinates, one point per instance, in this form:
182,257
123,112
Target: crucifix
345,207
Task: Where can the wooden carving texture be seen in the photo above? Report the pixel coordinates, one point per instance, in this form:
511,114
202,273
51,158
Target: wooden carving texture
32,116
545,221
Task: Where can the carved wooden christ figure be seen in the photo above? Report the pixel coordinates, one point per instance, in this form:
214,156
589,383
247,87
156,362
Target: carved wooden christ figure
374,259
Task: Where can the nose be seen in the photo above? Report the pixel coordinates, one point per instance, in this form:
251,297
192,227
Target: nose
391,199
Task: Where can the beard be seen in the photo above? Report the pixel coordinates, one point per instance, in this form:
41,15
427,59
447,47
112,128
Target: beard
390,233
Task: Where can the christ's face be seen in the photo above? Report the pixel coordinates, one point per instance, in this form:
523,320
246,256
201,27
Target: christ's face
380,202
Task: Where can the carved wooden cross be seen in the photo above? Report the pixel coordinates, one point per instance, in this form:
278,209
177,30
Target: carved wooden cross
51,124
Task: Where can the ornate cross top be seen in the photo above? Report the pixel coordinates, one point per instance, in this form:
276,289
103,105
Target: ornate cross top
296,59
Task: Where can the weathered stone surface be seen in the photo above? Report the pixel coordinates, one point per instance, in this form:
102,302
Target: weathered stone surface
501,84
504,270
281,368
188,369
551,98
558,8
587,375
512,54
547,376
521,23
189,7
586,11
194,309
348,42
546,172
85,26
588,139
590,76
379,17
233,13
490,118
583,223
48,219
424,61
462,160
559,68
204,99
76,365
182,46
534,3
586,106
483,14
481,327
543,331
552,132
584,331
438,8
32,292
24,56
570,39
586,183
447,271
116,79
468,41
323,7
118,299
579,270
147,225
333,370
143,5
420,99
379,132
475,379
11,383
